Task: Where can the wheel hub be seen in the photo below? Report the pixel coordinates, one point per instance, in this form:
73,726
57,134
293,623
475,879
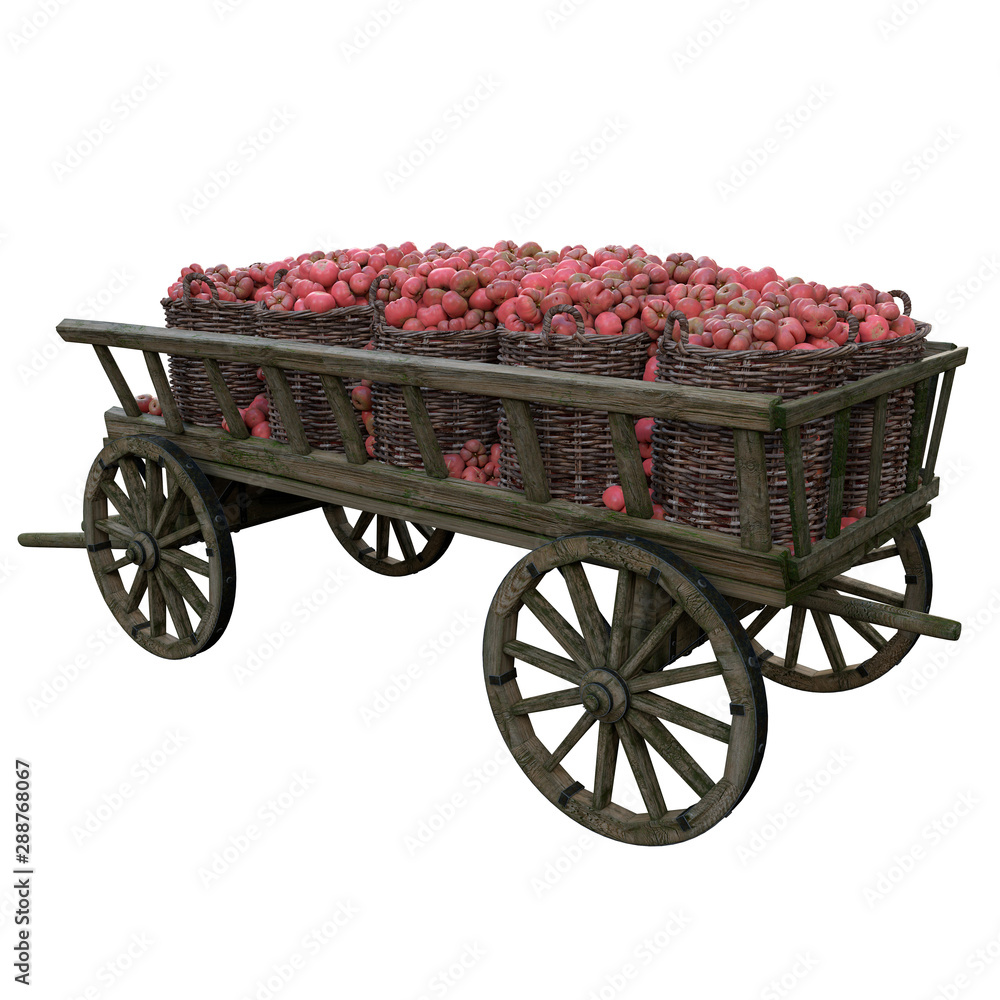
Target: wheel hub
143,550
604,695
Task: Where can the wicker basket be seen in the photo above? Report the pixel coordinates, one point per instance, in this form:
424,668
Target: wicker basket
694,465
188,378
576,445
457,417
871,359
349,326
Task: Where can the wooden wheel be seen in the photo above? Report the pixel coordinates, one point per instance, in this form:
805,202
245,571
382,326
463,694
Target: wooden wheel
855,652
567,738
395,552
167,539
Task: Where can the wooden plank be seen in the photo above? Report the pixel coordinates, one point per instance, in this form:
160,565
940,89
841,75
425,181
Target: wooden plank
879,418
881,614
754,411
423,431
117,380
918,435
290,418
752,492
164,394
230,411
346,417
528,449
838,471
796,474
822,404
942,410
638,502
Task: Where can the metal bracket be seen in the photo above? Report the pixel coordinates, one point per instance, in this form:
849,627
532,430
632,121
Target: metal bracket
136,629
567,793
735,709
99,547
499,681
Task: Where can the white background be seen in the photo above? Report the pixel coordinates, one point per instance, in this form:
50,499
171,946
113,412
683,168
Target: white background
471,123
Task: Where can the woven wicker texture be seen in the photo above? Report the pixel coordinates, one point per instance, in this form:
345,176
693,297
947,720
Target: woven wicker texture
576,445
694,465
188,378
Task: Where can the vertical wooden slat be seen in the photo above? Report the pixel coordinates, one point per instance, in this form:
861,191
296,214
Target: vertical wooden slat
346,417
165,395
117,380
629,461
423,431
752,493
289,412
942,410
529,452
918,435
224,398
838,471
791,438
879,418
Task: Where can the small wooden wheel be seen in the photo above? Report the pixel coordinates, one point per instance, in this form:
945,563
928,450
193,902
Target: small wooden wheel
395,551
904,561
167,531
567,740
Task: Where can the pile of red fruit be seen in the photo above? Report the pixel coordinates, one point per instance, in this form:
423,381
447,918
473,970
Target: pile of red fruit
254,417
475,463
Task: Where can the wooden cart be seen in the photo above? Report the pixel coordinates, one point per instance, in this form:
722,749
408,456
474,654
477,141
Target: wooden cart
163,558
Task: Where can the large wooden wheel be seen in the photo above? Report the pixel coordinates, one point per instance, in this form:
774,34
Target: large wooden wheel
164,559
401,547
855,652
688,759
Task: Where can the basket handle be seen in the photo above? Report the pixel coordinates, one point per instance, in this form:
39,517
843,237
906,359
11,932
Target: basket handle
853,325
676,316
547,324
374,287
278,275
898,293
198,276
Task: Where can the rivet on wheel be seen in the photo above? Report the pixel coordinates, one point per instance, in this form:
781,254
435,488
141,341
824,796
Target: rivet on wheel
220,519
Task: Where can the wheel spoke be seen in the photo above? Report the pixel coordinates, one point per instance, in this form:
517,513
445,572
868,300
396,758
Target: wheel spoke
675,675
170,510
136,491
547,702
874,638
558,627
157,608
587,612
642,767
573,737
824,625
604,770
657,634
867,591
795,637
402,533
381,537
365,518
186,587
136,592
667,746
876,555
154,492
424,530
175,605
621,619
177,557
121,502
114,528
761,620
175,536
119,564
544,660
681,715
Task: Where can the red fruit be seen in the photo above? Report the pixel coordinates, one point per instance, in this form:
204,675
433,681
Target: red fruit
370,445
647,467
644,429
741,342
818,320
474,475
608,324
399,311
649,374
645,450
794,327
320,302
455,465
765,329
658,513
614,498
144,400
341,291
902,326
369,421
873,328
495,452
361,397
155,410
888,311
784,341
431,315
454,305
261,430
252,417
325,272
442,277
260,374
